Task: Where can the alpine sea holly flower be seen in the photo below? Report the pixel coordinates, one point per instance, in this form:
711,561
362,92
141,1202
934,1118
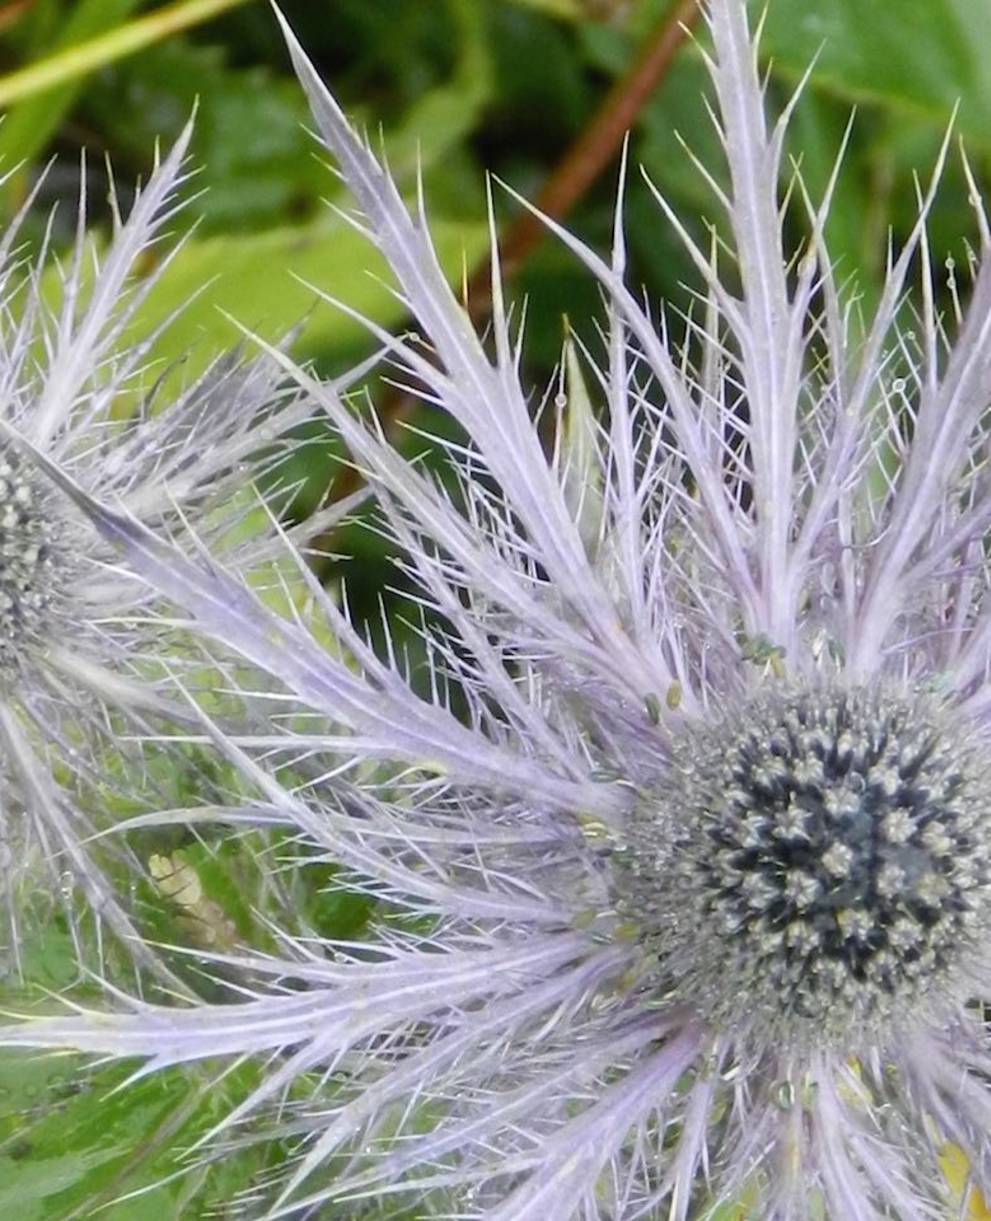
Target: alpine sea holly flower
699,875
77,647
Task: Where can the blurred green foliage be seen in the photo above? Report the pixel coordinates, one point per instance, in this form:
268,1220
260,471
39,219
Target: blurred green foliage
465,87
458,88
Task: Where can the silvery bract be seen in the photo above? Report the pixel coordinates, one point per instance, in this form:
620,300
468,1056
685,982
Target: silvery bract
684,858
78,651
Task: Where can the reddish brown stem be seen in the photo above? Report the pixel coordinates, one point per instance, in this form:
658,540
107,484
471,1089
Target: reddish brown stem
595,148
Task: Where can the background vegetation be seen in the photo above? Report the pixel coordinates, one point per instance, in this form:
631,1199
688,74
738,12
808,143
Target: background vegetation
459,87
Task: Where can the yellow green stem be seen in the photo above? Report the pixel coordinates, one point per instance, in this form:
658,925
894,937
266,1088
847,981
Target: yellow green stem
106,48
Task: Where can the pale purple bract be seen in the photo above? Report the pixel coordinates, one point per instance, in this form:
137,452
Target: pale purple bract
779,525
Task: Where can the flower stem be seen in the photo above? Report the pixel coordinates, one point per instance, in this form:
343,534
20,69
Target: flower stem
104,49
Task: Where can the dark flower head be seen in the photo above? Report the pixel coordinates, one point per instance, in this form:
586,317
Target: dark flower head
818,857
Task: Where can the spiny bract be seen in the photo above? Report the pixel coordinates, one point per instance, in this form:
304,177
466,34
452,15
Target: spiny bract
81,660
687,905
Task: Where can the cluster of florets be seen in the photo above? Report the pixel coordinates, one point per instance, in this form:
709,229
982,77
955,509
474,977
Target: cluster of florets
82,649
29,544
818,858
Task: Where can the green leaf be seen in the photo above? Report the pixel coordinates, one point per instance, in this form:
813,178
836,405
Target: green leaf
89,1143
28,126
578,10
919,56
80,58
257,164
567,10
253,278
26,1183
255,160
584,477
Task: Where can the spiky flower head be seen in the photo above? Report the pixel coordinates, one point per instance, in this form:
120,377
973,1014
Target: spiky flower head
688,904
80,659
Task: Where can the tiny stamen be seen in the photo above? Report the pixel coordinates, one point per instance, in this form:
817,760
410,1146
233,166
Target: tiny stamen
819,857
28,547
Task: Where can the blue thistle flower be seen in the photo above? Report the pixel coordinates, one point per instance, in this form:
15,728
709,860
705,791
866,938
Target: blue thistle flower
690,905
80,657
